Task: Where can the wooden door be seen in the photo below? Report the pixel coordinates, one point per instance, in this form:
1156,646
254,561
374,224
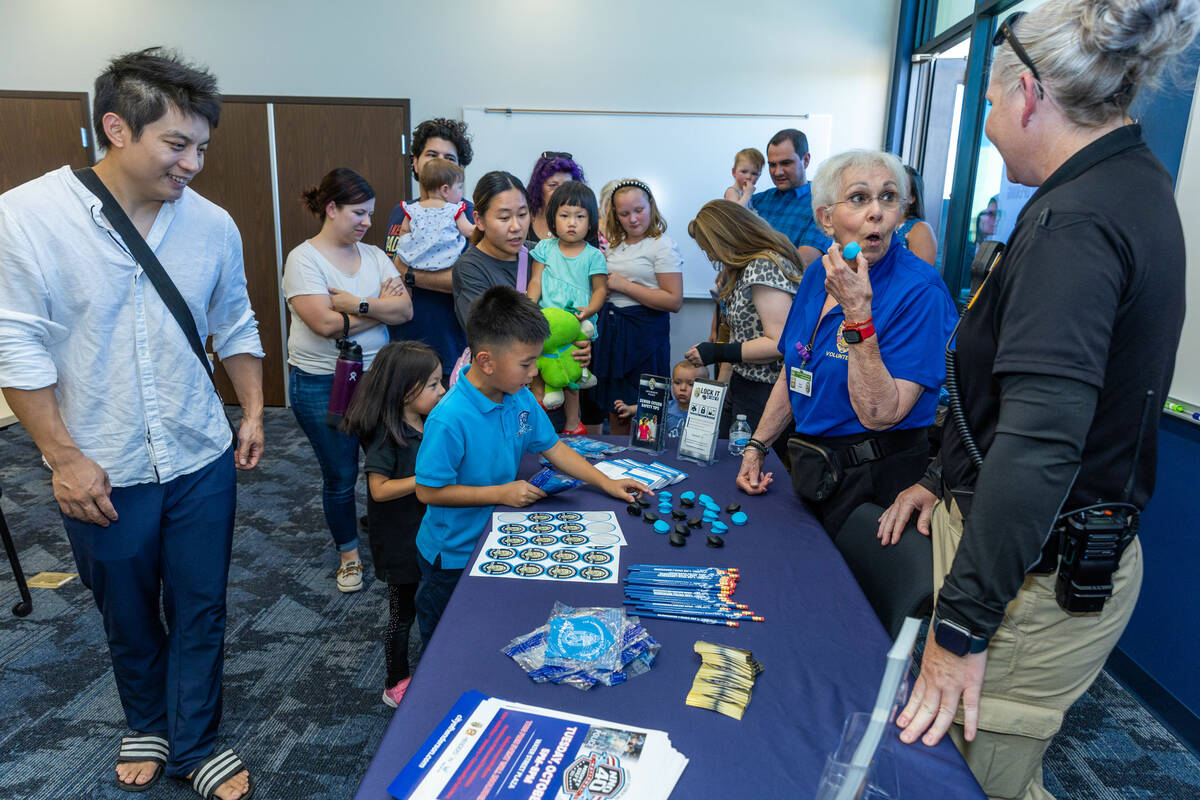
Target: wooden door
40,132
237,177
369,137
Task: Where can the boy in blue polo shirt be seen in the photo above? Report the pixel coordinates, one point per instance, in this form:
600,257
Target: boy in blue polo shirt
473,443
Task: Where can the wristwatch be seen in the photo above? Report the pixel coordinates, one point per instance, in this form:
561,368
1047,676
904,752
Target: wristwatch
410,280
363,305
956,639
855,332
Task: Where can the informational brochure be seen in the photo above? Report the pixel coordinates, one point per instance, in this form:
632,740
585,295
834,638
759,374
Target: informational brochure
648,428
698,442
492,749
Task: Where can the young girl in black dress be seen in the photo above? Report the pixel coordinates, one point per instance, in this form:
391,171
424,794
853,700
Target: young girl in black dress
388,416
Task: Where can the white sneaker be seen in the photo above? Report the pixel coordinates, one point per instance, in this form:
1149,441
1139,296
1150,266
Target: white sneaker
349,576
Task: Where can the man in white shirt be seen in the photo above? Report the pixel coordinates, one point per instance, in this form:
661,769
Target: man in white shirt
102,377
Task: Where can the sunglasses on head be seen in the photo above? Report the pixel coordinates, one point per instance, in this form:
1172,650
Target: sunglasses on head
550,154
1005,34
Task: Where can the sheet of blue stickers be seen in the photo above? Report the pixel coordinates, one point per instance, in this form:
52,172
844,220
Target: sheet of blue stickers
565,546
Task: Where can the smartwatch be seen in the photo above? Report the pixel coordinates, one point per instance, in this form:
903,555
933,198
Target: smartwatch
855,332
956,639
410,280
363,305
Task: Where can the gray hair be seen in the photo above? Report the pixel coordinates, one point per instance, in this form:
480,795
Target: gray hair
1094,55
827,183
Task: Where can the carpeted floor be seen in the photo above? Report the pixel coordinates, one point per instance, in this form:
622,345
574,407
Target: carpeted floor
304,667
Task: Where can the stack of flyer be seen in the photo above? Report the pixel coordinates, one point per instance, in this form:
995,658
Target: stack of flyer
491,748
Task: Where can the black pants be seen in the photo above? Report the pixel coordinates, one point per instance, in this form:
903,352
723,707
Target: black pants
750,398
401,613
876,481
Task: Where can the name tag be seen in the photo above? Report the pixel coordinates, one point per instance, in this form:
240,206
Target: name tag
800,381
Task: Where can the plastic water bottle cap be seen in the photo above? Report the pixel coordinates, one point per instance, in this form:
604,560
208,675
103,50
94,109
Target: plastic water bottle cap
741,417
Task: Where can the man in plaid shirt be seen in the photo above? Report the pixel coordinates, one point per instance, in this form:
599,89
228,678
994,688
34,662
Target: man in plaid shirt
788,206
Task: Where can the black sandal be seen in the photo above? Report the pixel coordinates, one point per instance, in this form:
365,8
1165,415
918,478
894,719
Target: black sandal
215,770
142,747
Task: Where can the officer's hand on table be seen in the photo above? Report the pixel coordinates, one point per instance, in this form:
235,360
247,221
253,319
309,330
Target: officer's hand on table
893,521
945,678
625,489
519,494
750,478
82,489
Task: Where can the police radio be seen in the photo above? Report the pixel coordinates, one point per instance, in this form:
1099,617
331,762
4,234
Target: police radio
1092,540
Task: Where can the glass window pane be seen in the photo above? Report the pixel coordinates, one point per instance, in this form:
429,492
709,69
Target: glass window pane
950,12
995,201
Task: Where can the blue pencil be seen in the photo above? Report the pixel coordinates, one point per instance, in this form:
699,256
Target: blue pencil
689,618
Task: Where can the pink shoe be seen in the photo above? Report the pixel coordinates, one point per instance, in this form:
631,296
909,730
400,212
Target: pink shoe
394,695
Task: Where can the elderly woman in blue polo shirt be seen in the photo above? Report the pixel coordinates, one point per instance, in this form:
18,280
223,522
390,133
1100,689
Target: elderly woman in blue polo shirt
863,351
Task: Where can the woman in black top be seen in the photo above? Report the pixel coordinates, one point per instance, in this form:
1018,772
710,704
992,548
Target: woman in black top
388,416
1068,346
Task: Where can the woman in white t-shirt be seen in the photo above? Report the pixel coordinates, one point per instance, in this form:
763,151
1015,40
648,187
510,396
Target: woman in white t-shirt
645,283
329,281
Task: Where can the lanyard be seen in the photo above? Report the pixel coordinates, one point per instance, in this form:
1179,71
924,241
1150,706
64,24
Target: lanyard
806,351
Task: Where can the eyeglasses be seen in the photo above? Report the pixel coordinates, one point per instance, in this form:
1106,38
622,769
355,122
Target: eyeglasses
1005,34
888,200
550,155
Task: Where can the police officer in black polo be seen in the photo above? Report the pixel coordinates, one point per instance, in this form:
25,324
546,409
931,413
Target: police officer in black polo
1062,362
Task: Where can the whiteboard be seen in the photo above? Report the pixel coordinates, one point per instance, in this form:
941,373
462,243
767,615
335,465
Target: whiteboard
1186,384
686,160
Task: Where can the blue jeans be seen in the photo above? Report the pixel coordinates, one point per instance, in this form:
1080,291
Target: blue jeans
171,545
337,453
433,594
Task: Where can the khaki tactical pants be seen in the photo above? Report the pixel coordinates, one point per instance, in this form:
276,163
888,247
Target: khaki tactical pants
1040,661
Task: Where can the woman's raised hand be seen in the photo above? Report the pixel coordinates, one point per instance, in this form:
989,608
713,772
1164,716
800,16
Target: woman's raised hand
849,283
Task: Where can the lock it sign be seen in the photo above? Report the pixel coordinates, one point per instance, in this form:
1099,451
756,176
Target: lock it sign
594,776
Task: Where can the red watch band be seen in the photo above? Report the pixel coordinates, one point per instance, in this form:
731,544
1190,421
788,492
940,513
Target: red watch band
865,329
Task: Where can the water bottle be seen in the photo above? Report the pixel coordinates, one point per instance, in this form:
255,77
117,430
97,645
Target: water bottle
739,434
346,376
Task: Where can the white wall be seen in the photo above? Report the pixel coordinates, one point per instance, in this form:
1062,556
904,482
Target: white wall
788,56
773,56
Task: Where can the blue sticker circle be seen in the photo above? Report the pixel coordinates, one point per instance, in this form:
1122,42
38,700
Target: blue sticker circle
571,527
568,516
496,567
512,527
529,570
513,540
597,557
533,554
540,516
541,527
561,571
592,573
501,552
543,539
573,539
565,556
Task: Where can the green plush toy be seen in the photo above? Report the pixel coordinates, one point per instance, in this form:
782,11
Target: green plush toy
557,364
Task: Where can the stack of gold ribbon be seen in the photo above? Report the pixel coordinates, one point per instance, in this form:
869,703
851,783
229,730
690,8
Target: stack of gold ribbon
725,679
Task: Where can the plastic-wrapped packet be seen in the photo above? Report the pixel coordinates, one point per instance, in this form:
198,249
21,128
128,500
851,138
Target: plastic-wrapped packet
585,646
552,482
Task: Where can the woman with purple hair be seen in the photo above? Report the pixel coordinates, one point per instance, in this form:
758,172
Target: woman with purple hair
551,171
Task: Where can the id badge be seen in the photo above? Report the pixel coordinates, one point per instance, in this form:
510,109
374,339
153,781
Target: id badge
800,381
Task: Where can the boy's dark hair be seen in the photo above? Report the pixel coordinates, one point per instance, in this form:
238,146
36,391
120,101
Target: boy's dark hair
397,374
342,186
502,316
574,193
438,173
441,128
797,138
139,87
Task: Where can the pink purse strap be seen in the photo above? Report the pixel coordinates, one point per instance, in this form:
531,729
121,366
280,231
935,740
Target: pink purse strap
523,270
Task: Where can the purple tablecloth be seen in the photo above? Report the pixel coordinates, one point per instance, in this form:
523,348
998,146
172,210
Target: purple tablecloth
821,645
